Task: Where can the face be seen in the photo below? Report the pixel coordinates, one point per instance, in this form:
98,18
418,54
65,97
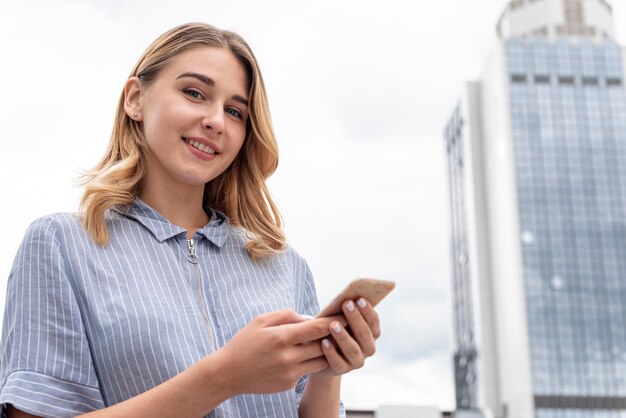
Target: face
194,117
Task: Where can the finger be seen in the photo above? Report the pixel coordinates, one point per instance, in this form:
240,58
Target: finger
329,319
307,331
347,345
284,316
312,330
370,315
309,351
335,361
312,366
360,328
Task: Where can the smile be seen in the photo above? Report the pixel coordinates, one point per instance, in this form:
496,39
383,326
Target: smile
204,148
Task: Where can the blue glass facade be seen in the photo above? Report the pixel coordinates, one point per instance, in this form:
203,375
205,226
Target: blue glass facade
568,122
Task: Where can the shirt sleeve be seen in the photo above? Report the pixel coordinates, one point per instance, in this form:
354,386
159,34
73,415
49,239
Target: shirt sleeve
46,368
307,304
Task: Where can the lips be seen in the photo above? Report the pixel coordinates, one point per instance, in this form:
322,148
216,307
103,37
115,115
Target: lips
202,145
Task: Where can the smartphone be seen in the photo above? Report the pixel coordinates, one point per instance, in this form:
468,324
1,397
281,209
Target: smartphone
374,290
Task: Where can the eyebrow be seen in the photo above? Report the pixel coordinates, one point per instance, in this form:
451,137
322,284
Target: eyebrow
209,82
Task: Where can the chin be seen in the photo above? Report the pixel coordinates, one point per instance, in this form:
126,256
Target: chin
195,178
193,183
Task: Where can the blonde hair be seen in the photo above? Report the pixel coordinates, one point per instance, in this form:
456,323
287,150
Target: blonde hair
240,191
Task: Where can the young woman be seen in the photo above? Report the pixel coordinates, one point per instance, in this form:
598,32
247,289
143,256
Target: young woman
173,293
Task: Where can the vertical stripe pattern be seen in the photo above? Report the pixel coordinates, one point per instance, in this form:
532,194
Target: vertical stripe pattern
86,327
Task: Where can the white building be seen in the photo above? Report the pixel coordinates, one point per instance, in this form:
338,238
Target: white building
537,170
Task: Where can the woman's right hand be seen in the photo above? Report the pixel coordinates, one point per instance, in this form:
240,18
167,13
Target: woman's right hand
273,351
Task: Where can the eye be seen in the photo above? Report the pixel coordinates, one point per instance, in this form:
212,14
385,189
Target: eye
234,112
193,93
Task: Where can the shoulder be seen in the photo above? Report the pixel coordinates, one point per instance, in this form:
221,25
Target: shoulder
54,227
66,227
47,238
294,257
41,253
238,237
295,263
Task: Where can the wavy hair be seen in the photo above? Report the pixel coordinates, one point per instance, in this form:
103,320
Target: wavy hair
240,191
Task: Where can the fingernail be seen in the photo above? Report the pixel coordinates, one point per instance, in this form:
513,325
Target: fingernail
306,317
350,306
362,303
336,328
325,343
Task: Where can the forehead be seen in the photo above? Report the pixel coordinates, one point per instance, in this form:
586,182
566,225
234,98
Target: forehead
219,64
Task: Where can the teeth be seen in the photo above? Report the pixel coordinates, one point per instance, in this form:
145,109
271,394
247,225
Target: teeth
201,147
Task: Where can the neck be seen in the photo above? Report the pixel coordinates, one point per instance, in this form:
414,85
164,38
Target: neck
180,204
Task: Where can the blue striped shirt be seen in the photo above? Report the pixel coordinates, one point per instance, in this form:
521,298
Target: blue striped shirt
86,326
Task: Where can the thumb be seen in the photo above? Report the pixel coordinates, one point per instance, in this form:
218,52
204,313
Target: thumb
284,316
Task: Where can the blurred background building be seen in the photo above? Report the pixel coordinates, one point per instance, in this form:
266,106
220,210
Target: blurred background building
537,179
400,411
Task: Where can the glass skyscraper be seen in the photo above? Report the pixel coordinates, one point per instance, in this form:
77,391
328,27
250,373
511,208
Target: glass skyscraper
537,172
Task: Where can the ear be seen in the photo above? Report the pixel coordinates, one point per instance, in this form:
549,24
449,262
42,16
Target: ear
133,90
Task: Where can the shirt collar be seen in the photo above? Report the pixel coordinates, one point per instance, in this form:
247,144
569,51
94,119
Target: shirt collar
216,231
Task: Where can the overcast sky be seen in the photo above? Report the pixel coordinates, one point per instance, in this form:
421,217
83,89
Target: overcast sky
359,93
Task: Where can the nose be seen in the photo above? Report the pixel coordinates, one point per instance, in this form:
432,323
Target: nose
213,119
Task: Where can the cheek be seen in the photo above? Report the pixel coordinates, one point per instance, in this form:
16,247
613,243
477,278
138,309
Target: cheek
240,143
167,116
237,138
236,150
156,123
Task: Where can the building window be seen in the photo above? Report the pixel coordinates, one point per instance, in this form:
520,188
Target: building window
590,81
542,79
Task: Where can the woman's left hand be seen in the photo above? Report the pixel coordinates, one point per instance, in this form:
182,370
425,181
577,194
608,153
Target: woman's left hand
351,347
